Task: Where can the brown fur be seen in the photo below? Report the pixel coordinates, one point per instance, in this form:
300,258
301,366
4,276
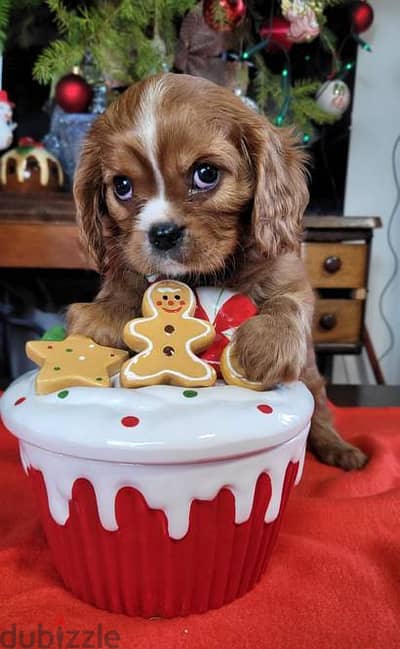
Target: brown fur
244,234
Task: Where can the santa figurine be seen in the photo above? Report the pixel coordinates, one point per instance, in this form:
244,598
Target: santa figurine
6,124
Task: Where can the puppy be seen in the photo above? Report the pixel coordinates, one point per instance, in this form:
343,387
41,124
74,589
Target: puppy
179,178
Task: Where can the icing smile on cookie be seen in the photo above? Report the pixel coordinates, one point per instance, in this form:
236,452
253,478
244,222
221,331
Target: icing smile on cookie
172,310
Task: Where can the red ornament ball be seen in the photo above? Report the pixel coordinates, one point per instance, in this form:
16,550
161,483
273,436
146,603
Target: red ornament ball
362,16
277,31
73,94
224,15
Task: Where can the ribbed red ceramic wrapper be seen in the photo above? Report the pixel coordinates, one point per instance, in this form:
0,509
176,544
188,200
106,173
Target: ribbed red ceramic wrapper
139,570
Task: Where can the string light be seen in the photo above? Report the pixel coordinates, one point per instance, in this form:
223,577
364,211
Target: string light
253,50
306,138
280,118
363,44
345,70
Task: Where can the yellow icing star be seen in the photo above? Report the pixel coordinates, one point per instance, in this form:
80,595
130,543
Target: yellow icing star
77,360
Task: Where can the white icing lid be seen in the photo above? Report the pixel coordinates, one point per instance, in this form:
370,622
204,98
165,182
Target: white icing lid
155,425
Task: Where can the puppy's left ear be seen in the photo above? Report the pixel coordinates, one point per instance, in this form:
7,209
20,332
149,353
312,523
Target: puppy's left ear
280,192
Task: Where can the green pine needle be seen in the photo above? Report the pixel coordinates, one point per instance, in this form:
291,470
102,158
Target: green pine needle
123,38
5,8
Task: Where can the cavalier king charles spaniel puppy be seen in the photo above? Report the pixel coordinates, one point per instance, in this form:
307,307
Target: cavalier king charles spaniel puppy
179,178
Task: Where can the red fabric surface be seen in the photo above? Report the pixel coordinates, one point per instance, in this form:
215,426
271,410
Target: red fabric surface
333,581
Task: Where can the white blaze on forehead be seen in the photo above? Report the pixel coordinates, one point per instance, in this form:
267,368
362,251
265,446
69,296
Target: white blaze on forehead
146,129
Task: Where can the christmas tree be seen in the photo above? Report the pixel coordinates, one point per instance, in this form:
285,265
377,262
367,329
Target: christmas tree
252,46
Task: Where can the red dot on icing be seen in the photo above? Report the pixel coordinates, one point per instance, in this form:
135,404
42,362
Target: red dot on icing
49,346
265,408
182,302
159,303
130,421
20,400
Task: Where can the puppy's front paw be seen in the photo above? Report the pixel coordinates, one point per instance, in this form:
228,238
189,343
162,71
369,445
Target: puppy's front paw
97,322
270,351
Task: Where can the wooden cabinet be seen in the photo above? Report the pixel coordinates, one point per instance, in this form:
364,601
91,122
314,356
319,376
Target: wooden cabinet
336,252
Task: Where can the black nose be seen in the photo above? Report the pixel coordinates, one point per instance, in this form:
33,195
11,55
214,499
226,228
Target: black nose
165,236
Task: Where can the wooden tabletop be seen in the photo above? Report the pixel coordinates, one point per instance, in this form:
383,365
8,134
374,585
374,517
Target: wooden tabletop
39,230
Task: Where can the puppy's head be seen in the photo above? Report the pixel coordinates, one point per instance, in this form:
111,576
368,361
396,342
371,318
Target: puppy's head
178,174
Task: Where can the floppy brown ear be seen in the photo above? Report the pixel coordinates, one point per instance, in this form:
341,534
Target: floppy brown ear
281,194
88,194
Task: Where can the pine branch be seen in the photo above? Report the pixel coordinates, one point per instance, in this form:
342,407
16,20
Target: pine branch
128,40
310,109
58,58
62,16
5,8
304,88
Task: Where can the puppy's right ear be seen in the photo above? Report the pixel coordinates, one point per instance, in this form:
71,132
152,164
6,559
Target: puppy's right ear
89,199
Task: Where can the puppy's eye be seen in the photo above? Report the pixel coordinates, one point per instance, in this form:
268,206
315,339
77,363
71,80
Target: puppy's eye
123,188
205,176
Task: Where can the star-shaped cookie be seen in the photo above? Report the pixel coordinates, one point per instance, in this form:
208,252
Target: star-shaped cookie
77,360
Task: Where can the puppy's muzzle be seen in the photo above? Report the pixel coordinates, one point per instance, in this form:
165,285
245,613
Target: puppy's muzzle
165,236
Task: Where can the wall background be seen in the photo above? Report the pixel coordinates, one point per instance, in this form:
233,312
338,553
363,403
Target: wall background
370,186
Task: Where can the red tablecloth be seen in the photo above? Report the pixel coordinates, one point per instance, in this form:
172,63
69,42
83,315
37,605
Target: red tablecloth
333,582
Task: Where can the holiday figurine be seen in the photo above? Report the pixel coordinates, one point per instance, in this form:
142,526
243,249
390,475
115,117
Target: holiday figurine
199,50
6,124
304,25
333,97
30,168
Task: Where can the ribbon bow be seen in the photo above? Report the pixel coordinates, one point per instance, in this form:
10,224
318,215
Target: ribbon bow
226,310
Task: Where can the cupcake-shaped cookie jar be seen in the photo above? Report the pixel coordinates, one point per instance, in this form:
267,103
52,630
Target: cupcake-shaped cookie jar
162,500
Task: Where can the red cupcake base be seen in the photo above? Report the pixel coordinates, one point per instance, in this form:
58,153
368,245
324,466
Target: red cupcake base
139,570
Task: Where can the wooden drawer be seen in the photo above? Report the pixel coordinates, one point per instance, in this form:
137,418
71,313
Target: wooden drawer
336,265
337,321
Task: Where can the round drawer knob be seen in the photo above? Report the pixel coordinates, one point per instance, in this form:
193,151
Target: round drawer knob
328,321
332,264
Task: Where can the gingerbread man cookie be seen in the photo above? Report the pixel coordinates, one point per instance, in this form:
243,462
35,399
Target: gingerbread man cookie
77,360
231,372
167,339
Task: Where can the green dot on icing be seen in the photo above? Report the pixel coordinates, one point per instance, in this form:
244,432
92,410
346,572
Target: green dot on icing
99,378
190,393
56,368
69,349
63,394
